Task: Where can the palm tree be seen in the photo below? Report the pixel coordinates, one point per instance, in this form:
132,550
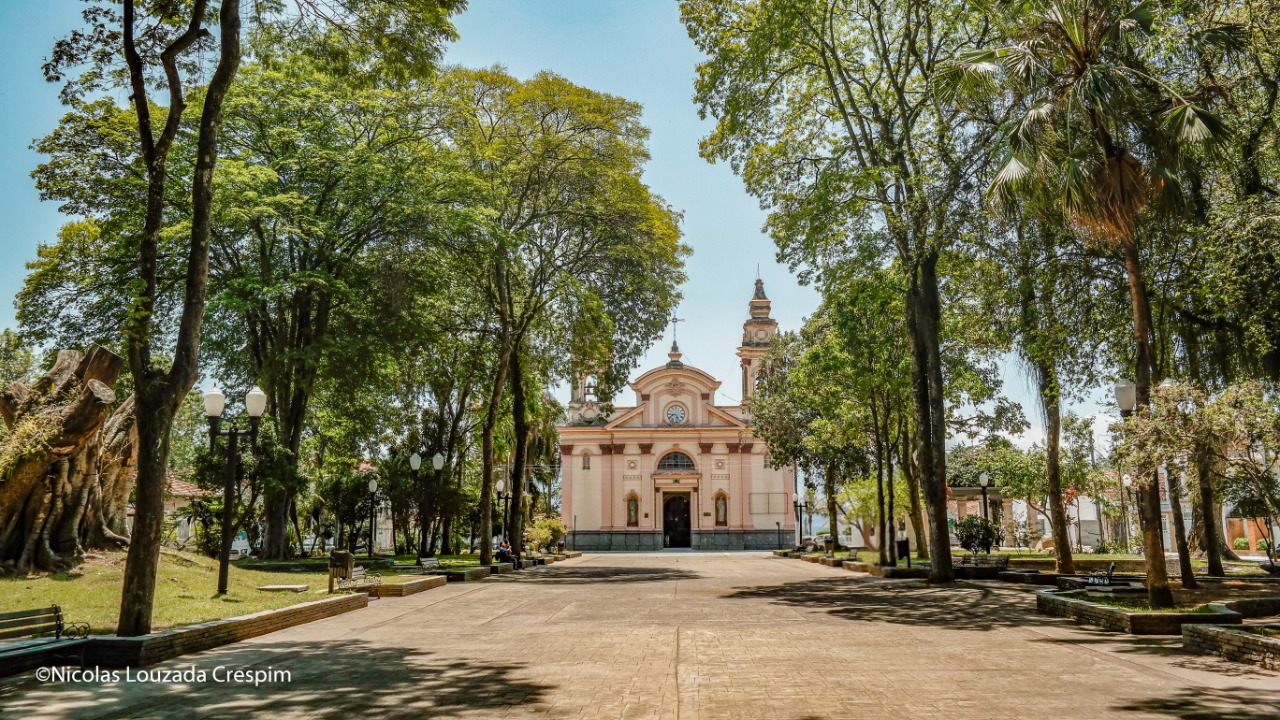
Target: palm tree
1092,119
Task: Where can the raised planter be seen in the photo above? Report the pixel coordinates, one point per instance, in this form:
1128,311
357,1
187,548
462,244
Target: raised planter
571,554
1241,644
1085,564
501,568
782,553
118,652
887,571
1072,604
1029,577
468,574
831,561
811,558
408,588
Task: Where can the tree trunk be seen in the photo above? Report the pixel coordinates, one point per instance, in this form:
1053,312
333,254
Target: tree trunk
1048,381
833,507
520,422
1180,530
924,326
66,489
913,489
1158,593
488,427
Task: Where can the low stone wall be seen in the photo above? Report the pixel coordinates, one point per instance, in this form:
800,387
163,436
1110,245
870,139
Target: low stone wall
411,587
1232,643
887,571
1255,607
1085,564
116,652
1072,605
502,568
468,574
1025,577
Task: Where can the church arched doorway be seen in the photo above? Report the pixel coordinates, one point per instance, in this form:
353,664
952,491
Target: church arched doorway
675,521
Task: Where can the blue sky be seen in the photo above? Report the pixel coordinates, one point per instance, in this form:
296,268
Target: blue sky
638,50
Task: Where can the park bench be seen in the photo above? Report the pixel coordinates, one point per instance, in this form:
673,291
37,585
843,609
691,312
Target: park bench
999,562
424,566
28,628
1101,578
359,580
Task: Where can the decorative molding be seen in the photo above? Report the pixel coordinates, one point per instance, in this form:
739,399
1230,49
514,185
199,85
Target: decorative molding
733,447
631,464
705,447
566,449
745,448
675,386
646,448
619,448
719,463
719,477
635,478
606,449
706,396
644,397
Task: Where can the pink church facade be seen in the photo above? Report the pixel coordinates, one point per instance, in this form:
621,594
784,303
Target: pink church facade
675,469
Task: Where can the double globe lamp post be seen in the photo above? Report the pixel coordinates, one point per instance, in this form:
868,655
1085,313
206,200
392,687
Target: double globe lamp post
415,463
215,401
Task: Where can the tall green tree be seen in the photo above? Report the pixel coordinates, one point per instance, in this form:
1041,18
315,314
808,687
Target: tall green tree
168,48
1108,127
561,225
823,107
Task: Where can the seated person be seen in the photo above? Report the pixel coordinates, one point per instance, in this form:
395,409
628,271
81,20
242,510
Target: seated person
504,552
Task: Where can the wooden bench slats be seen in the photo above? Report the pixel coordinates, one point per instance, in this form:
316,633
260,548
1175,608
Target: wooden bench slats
29,630
33,619
51,610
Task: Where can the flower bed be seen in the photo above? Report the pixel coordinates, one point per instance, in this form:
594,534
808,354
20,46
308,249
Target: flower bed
1071,604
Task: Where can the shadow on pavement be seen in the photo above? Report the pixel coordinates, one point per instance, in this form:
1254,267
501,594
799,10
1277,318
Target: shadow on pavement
570,575
902,602
328,680
1211,704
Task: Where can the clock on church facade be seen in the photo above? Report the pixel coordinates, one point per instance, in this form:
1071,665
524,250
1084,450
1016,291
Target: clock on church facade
675,469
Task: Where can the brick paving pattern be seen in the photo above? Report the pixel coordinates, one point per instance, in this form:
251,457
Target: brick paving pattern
685,636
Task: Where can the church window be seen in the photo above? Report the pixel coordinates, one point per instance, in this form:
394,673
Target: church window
676,461
722,510
586,461
633,510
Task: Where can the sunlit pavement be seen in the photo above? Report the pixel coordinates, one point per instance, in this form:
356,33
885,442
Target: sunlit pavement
686,635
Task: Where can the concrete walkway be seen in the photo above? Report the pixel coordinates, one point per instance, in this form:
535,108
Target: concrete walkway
687,636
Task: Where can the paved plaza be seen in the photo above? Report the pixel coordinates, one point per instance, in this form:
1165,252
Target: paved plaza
688,635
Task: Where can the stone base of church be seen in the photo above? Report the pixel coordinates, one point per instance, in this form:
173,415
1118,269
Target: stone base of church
642,540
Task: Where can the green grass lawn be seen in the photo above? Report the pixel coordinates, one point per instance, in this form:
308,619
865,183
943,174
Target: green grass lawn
186,591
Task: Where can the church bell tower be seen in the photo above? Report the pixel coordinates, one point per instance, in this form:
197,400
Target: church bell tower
757,331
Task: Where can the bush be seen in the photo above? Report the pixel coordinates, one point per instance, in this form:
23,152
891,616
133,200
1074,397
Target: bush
1263,545
1240,544
976,534
546,533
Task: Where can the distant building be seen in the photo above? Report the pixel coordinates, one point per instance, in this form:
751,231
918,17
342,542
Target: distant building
675,469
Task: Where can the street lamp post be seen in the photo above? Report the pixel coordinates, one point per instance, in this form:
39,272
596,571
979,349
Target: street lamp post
984,480
799,509
1127,482
503,498
415,463
1126,400
215,401
373,508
